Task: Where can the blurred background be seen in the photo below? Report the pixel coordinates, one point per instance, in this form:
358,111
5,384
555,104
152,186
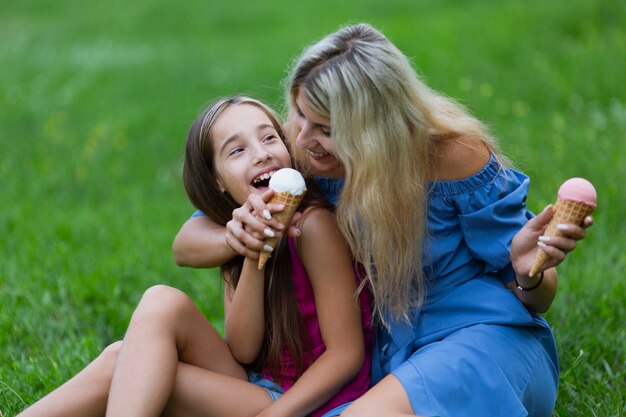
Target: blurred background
96,99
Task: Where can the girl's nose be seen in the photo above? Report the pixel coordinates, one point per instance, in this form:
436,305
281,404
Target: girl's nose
261,155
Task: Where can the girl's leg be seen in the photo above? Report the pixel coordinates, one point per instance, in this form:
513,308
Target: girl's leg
197,391
84,395
166,328
199,387
385,399
200,393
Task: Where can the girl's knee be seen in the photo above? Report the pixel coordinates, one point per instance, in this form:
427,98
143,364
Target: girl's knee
100,371
113,349
161,292
161,302
109,355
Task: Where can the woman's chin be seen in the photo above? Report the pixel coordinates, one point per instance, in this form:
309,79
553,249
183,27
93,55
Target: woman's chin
326,167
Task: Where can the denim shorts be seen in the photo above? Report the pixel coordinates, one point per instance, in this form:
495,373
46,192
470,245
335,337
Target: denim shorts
272,388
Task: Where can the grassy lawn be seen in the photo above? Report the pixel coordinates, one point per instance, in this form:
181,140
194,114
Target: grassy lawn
96,99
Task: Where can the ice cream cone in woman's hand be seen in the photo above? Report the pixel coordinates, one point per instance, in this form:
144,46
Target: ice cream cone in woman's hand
289,189
577,199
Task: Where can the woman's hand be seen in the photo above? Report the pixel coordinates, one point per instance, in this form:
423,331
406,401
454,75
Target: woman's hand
252,223
526,241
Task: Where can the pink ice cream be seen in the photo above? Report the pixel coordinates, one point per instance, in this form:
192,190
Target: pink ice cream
578,189
577,199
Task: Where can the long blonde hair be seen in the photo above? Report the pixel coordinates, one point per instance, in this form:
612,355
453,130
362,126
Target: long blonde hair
385,122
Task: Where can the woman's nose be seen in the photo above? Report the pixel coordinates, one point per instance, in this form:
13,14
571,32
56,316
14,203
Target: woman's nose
303,137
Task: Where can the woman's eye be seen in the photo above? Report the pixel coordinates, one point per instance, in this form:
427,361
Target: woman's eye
299,112
325,132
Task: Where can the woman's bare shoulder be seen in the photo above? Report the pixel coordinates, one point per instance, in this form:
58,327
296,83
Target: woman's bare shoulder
457,158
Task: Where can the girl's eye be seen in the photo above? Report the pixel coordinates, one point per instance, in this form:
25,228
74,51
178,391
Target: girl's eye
235,151
325,132
269,138
299,112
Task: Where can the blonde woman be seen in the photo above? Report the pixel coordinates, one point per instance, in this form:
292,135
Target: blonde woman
436,216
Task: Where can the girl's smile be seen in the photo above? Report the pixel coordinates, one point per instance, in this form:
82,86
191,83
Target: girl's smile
248,150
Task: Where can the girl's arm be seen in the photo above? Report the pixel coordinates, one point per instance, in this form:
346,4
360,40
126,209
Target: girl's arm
244,315
523,252
327,260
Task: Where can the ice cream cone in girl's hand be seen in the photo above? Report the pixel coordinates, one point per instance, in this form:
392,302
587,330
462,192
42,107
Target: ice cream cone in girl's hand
289,189
576,200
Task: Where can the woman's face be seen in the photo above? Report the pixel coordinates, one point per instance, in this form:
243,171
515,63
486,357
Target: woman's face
315,138
247,151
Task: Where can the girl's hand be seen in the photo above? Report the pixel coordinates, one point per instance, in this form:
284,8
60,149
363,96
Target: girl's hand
252,223
526,241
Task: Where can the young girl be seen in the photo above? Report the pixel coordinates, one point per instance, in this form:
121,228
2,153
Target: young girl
244,159
297,336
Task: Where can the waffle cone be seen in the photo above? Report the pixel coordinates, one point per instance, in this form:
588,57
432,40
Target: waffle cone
565,211
291,203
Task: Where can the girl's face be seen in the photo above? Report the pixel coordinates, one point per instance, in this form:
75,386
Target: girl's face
247,150
314,137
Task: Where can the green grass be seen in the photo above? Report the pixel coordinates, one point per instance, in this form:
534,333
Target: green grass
96,99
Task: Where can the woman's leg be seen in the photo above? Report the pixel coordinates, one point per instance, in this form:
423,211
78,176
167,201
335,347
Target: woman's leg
166,328
84,395
385,399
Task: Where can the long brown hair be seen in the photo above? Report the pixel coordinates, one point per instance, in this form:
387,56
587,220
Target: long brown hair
284,326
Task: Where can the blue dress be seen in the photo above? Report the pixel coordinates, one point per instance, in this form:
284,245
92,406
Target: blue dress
473,349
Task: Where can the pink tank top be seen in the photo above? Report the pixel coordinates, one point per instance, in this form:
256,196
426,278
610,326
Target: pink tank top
306,300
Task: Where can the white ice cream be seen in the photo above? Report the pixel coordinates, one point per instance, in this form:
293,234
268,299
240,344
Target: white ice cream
288,180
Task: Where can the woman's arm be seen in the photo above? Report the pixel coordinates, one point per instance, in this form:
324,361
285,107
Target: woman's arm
202,243
244,315
327,259
464,157
539,299
523,252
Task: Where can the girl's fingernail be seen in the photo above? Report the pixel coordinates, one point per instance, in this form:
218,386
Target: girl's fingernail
562,227
269,233
268,248
544,238
267,214
542,245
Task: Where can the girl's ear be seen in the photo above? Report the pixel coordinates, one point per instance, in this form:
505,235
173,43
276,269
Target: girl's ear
219,184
